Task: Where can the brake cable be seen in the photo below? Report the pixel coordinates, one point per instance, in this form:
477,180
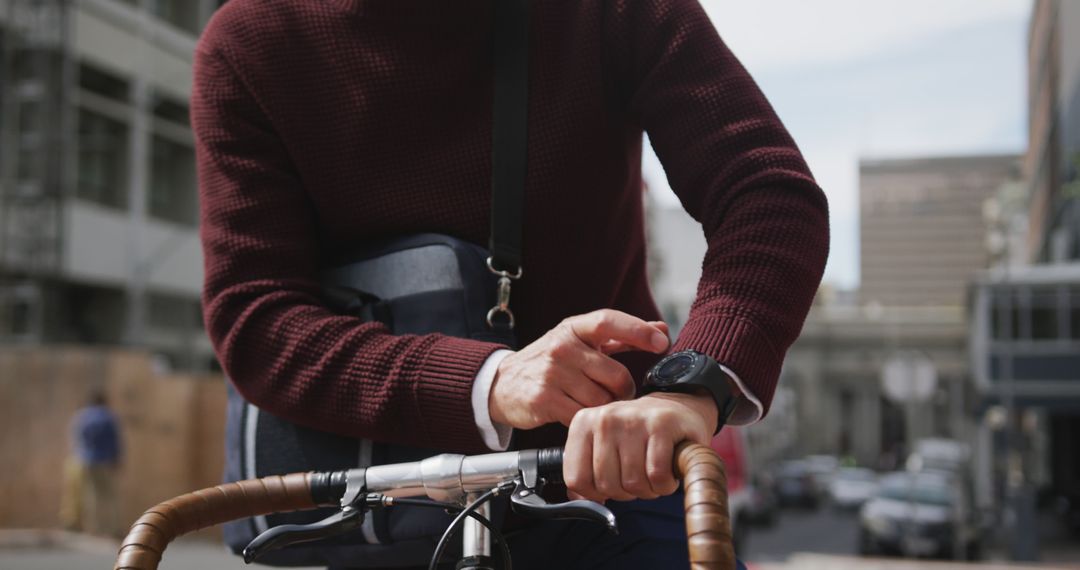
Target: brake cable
468,511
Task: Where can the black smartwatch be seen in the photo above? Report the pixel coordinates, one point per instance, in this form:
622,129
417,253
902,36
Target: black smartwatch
690,372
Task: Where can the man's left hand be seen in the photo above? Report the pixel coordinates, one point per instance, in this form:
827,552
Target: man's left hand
624,450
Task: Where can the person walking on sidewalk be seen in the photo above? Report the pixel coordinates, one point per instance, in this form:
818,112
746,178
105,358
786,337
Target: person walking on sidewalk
90,492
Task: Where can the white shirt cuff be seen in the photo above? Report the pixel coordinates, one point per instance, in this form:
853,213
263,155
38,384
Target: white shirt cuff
496,436
748,409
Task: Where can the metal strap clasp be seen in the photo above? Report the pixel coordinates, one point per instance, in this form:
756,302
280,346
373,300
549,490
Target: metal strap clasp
502,302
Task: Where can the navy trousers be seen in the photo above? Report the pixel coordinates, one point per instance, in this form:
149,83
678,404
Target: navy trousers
652,535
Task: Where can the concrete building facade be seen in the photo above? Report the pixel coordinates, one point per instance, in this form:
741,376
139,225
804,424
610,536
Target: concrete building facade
922,237
1025,318
922,229
1053,159
835,369
98,201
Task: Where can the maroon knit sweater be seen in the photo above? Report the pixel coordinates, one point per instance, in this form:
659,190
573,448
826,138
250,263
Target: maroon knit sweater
321,124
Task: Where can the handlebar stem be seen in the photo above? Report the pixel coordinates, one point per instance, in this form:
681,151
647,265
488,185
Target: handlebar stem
449,477
476,538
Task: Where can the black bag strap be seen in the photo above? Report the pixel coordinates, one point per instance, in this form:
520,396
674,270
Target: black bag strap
509,134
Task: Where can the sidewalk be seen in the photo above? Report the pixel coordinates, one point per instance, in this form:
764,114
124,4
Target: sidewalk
825,562
1056,545
60,550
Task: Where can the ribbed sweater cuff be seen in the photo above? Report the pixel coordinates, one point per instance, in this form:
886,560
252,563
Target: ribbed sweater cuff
739,345
443,395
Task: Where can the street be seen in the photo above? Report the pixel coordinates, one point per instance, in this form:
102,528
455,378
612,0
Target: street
813,539
829,536
823,531
52,550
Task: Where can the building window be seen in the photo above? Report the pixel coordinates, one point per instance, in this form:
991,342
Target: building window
1005,316
90,314
165,107
1074,314
172,194
1045,316
102,159
172,312
183,14
20,318
103,83
1044,323
1074,325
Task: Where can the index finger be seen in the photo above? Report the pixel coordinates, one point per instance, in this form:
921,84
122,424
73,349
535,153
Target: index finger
599,327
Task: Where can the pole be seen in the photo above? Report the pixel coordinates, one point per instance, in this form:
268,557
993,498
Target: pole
1020,514
138,172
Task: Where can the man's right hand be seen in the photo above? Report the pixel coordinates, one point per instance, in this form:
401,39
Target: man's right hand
568,369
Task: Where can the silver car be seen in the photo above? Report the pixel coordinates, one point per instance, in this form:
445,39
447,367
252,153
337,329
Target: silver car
918,515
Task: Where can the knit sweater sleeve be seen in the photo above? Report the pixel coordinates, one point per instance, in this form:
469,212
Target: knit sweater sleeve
737,172
280,346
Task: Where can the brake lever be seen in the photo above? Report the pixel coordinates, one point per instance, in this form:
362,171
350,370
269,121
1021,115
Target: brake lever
526,501
284,535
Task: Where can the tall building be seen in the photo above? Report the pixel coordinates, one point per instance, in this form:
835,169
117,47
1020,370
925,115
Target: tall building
98,206
1025,319
922,232
1053,158
922,237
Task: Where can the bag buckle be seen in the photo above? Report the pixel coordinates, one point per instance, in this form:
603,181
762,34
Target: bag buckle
502,304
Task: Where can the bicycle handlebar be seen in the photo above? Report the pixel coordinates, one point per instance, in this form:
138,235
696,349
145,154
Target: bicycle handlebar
142,548
446,477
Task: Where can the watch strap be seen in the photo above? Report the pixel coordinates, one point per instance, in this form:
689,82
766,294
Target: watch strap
721,391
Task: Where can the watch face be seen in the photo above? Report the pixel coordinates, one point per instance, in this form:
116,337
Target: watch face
673,368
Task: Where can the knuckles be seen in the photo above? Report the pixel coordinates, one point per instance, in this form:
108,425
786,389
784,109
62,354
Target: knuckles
559,350
583,420
637,486
574,480
604,319
656,476
622,419
612,489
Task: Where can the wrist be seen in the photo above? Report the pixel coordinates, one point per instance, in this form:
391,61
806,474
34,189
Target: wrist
494,411
701,403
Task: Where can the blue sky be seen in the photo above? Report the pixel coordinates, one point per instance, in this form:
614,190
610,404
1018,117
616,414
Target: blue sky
879,78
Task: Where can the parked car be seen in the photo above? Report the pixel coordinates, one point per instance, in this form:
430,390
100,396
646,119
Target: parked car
851,487
918,515
940,454
764,503
795,485
822,469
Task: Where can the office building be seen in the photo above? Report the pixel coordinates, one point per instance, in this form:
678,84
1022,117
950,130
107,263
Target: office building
1025,318
98,206
921,226
1053,159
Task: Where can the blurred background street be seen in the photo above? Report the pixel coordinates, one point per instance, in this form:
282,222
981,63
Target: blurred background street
930,409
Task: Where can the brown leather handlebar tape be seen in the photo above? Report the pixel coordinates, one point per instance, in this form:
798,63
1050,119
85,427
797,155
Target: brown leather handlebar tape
708,521
157,527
